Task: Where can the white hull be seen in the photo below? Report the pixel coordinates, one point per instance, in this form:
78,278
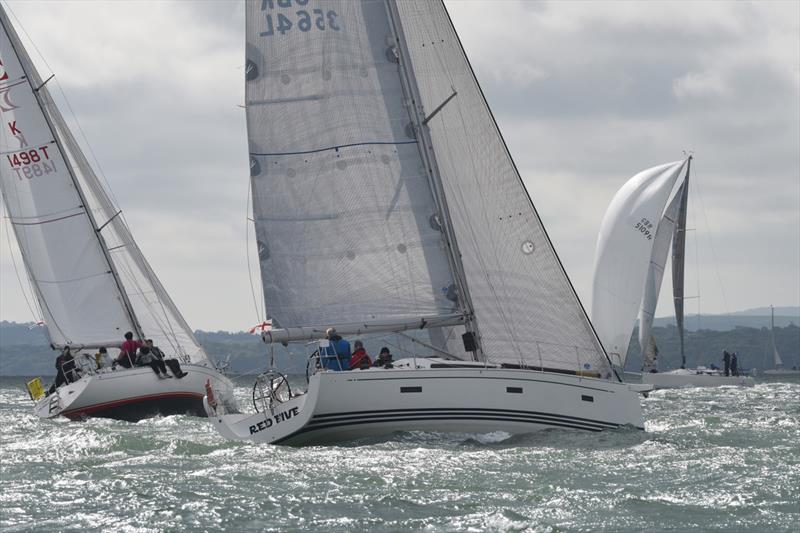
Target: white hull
680,378
781,372
341,406
133,394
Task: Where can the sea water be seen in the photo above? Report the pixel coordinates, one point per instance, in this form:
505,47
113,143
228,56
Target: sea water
711,459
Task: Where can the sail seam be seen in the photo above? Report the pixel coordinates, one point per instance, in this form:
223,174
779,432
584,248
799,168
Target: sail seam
317,150
46,221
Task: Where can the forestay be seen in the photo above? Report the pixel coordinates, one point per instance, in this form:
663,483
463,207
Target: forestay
91,280
526,309
624,252
346,224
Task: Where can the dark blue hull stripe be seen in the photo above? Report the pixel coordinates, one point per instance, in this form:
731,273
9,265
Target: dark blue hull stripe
339,420
461,410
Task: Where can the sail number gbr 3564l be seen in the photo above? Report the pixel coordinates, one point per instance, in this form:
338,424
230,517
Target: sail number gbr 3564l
303,20
31,163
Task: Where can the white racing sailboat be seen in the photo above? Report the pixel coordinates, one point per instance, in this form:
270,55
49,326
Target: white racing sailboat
645,217
385,201
778,369
89,277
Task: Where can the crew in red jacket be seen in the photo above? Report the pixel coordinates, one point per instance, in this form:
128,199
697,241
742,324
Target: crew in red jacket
127,352
360,359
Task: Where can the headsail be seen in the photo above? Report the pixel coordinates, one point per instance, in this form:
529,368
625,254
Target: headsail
624,251
89,276
525,307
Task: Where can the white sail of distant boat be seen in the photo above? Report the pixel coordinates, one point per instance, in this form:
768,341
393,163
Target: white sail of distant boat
89,277
385,200
776,356
630,257
778,368
646,218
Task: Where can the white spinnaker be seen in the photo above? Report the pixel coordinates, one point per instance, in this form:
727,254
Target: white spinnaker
655,272
624,249
82,311
526,309
79,297
344,215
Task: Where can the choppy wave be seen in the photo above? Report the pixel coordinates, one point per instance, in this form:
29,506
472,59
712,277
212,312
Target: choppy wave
711,459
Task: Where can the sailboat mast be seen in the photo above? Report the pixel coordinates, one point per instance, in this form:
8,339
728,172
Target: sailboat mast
678,262
434,179
31,75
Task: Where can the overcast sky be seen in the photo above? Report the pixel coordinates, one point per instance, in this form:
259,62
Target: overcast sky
586,94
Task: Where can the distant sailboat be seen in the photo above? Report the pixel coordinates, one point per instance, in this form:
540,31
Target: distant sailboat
88,275
385,201
778,369
646,216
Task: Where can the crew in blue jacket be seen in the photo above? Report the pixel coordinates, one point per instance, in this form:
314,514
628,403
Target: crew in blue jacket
337,355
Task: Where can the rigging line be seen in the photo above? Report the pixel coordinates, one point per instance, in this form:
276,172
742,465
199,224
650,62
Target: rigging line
104,196
125,267
713,255
171,337
317,150
36,317
247,254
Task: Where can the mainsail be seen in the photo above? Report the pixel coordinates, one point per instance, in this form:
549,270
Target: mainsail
383,189
346,223
624,256
89,276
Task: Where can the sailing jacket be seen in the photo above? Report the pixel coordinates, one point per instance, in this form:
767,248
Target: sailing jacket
360,359
337,355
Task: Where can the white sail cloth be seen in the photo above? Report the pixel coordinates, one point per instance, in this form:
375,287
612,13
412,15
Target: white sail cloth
655,272
345,218
64,259
525,307
624,255
91,280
